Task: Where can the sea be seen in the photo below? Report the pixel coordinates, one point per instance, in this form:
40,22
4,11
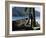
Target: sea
37,18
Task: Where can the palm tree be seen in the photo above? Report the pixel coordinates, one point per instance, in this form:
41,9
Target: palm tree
31,16
33,20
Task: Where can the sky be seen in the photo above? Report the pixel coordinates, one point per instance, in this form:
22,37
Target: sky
38,9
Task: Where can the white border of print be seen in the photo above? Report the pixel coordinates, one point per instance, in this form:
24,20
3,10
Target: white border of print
30,31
